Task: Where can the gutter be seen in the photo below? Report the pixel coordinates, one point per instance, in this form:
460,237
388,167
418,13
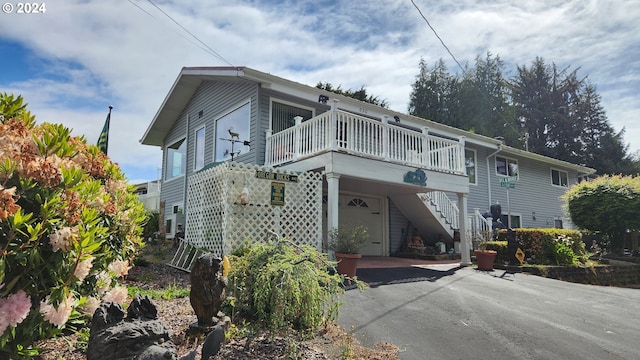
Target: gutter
489,172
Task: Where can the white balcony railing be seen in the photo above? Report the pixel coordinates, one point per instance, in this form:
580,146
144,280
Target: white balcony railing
338,130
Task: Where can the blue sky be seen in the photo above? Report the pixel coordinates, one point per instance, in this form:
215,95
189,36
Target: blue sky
79,57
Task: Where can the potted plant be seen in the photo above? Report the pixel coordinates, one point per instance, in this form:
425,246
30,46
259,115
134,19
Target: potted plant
484,256
346,242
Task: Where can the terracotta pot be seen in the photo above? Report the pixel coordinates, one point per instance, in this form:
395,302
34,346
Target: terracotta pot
485,258
347,263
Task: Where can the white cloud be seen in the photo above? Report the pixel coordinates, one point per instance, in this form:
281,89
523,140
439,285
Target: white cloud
96,53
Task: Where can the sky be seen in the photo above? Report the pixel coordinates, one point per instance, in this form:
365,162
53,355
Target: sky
78,57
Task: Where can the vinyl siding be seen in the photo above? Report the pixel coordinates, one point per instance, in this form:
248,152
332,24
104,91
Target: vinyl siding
398,227
213,99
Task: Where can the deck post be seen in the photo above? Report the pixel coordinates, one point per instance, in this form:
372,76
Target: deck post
463,165
333,126
296,137
426,149
385,137
465,251
333,192
268,152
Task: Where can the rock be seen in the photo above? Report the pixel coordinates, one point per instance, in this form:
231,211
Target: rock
140,335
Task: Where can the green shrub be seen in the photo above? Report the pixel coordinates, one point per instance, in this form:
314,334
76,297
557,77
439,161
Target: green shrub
69,227
541,245
283,286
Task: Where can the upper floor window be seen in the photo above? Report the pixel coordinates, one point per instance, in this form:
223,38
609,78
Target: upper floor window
232,130
199,153
506,166
470,165
176,159
282,115
559,178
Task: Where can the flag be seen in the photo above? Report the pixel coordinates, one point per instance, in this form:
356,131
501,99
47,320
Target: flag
103,140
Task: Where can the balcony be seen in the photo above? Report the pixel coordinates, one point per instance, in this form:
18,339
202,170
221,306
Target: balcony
338,130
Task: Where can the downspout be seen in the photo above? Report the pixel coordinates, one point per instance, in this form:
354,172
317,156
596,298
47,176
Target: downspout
489,172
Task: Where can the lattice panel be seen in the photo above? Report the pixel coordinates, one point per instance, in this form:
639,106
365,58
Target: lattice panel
217,219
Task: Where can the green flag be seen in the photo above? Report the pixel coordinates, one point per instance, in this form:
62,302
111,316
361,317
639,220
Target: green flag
103,140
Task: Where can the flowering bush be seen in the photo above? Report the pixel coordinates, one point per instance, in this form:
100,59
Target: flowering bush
69,227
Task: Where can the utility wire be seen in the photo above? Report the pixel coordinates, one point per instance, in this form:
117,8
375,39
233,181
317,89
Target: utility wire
206,47
438,36
482,93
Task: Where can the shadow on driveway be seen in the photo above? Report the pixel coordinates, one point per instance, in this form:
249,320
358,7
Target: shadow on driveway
375,277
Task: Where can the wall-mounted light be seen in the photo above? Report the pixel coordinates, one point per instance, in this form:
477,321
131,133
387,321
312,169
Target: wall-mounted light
244,196
533,215
323,99
396,118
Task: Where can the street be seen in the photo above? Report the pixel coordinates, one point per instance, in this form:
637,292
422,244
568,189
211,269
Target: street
440,312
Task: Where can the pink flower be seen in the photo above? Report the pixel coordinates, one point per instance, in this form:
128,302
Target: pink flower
90,305
83,268
62,238
14,309
103,282
57,316
117,295
120,267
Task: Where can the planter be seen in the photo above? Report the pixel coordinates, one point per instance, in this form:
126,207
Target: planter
485,258
347,264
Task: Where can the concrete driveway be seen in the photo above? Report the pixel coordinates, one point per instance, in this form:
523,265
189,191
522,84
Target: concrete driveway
442,311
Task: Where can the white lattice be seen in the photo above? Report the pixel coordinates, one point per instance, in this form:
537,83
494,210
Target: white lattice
218,221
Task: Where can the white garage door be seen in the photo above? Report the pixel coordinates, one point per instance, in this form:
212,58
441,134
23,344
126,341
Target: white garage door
365,211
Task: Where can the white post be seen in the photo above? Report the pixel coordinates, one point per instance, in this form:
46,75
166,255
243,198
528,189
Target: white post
465,249
463,165
426,148
333,127
333,192
385,137
296,137
268,154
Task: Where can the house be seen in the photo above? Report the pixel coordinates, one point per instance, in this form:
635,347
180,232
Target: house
394,173
149,194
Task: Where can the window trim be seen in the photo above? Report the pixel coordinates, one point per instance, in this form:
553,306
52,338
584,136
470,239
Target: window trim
475,158
166,159
507,164
195,147
289,103
518,215
551,170
228,111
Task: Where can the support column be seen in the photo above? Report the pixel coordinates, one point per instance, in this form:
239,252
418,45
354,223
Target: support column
333,196
465,248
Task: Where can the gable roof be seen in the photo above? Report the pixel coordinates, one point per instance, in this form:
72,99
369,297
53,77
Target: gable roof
190,78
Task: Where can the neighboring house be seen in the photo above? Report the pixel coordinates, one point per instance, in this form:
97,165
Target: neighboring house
149,194
392,172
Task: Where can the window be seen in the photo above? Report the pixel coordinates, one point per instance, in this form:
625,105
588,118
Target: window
515,220
559,178
557,222
176,159
282,115
470,164
232,130
199,152
506,166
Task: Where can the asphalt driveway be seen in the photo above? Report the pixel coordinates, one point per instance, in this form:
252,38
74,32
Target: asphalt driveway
449,312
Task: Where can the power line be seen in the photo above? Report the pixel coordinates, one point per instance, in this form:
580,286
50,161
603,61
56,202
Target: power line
438,36
206,47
